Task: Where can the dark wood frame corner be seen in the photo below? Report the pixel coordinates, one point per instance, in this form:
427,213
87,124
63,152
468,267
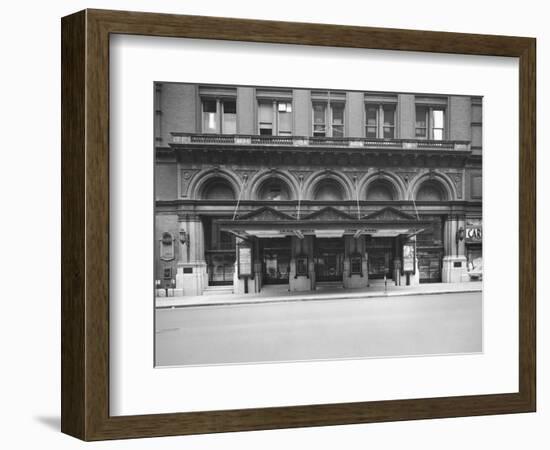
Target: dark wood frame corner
85,224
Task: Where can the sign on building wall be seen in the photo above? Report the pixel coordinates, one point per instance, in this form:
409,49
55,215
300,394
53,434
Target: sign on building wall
245,261
408,258
474,230
167,251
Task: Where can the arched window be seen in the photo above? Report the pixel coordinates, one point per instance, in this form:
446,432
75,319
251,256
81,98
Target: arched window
274,189
328,190
380,191
431,191
218,189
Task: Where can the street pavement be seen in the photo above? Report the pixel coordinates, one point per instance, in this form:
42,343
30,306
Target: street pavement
315,330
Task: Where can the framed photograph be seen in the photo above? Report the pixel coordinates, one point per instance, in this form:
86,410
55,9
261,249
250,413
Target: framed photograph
273,225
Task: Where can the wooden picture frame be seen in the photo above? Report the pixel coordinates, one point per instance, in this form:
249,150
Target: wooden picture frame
85,224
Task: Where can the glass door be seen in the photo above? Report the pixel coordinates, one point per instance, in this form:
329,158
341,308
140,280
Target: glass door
276,266
380,263
276,260
221,266
329,259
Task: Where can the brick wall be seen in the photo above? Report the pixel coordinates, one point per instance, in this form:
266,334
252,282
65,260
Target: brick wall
179,110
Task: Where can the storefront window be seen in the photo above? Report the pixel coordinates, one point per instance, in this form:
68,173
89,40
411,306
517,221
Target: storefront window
474,256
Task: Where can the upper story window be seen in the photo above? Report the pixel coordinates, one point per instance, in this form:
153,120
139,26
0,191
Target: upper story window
380,121
430,122
219,115
328,113
275,117
328,119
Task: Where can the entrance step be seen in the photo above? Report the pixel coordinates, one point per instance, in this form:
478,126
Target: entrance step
329,285
218,290
380,283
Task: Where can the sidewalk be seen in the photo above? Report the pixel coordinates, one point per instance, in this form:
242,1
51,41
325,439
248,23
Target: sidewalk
275,294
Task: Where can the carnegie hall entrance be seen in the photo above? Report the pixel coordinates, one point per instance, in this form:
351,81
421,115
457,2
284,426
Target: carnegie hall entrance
329,259
275,260
327,246
381,254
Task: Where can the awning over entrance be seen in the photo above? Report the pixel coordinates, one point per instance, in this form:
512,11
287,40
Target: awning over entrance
329,222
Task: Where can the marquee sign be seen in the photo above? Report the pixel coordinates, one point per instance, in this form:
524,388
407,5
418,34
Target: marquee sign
474,231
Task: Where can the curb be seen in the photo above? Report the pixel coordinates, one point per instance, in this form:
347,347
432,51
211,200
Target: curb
358,296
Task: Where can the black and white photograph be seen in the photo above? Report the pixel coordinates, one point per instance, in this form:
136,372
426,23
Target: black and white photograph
301,224
247,225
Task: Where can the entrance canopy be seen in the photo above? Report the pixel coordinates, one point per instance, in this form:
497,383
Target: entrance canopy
328,222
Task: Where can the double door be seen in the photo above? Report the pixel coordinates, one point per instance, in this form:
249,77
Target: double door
276,265
220,266
329,259
275,255
380,263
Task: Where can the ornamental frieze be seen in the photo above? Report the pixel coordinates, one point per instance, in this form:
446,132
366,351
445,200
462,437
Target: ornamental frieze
354,175
406,176
245,174
302,175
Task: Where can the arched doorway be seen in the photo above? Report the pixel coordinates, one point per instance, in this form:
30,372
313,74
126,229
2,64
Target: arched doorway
220,245
429,255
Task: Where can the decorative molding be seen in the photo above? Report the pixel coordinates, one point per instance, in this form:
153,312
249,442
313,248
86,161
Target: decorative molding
186,175
188,217
406,176
167,250
389,214
359,174
245,174
266,213
457,179
330,214
301,174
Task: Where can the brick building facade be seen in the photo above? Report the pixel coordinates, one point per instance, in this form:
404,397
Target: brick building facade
303,187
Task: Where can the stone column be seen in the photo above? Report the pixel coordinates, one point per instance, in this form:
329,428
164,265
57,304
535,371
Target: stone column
258,263
454,262
414,278
397,250
346,269
310,246
352,246
397,271
191,277
301,247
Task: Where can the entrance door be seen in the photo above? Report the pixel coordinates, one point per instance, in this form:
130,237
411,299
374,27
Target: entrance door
329,259
276,266
380,256
380,264
429,265
276,260
221,266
